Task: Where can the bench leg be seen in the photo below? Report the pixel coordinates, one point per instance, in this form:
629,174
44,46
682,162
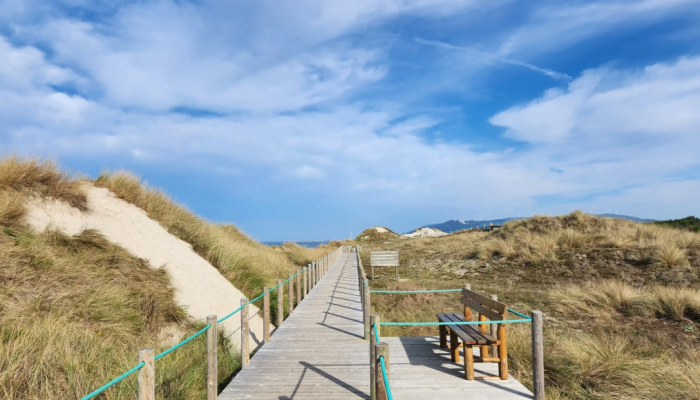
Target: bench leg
454,346
502,352
443,336
468,362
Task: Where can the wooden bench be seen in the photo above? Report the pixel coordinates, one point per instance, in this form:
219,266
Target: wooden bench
488,309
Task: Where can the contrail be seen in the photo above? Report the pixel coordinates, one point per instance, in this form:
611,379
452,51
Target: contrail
548,72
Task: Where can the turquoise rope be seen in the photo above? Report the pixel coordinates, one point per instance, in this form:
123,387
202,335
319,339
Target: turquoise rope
507,321
114,381
226,317
415,291
170,350
386,379
517,313
177,346
257,298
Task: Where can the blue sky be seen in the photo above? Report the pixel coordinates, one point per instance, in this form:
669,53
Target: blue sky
314,119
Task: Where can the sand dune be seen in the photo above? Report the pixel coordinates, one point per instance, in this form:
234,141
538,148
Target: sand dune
200,289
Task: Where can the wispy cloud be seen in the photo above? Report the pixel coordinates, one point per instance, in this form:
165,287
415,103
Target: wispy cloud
287,98
492,57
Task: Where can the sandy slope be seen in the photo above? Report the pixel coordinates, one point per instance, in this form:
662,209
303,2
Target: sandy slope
200,288
424,232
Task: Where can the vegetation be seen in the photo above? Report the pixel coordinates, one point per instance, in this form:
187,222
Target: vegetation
378,234
621,300
74,310
248,264
688,223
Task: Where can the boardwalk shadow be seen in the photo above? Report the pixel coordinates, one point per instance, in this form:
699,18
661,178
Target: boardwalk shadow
337,381
441,361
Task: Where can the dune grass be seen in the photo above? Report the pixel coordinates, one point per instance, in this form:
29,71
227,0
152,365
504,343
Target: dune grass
620,322
75,310
40,178
248,264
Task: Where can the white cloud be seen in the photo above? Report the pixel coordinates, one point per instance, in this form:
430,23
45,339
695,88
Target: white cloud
488,57
557,25
616,129
275,89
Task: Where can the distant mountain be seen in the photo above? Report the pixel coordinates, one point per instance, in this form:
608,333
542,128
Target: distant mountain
457,225
635,219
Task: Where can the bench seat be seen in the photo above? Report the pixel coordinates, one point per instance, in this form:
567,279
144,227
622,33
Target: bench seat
490,310
467,333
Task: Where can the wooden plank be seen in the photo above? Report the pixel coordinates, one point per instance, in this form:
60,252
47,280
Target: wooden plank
537,356
245,334
266,315
483,310
319,353
212,363
466,330
147,379
384,258
481,299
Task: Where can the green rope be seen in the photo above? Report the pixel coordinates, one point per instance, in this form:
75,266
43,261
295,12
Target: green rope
386,379
226,317
517,313
415,291
507,321
257,298
114,381
177,346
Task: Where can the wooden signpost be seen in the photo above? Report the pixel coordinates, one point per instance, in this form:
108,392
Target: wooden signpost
384,259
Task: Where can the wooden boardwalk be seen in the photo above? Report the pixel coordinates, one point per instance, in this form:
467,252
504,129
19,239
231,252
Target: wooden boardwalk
319,353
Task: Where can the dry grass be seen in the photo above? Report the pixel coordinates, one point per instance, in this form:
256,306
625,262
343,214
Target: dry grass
303,256
614,329
248,264
12,208
40,178
75,310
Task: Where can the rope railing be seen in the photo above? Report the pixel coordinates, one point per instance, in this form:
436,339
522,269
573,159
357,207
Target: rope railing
416,291
386,379
382,360
507,321
316,264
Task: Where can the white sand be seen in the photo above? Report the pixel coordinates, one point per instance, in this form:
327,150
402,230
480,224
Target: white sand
424,232
380,229
199,287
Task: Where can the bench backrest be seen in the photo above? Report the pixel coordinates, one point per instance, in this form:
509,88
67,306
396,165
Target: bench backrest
384,258
491,309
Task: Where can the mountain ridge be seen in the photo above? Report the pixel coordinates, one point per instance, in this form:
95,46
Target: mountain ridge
454,225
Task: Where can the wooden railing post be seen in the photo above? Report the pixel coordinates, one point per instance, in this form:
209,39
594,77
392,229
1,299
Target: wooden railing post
381,350
366,309
537,356
266,315
467,310
290,295
494,330
245,345
280,302
312,273
212,361
306,281
374,321
147,378
298,287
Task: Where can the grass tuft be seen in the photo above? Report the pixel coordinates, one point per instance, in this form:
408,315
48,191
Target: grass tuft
40,178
